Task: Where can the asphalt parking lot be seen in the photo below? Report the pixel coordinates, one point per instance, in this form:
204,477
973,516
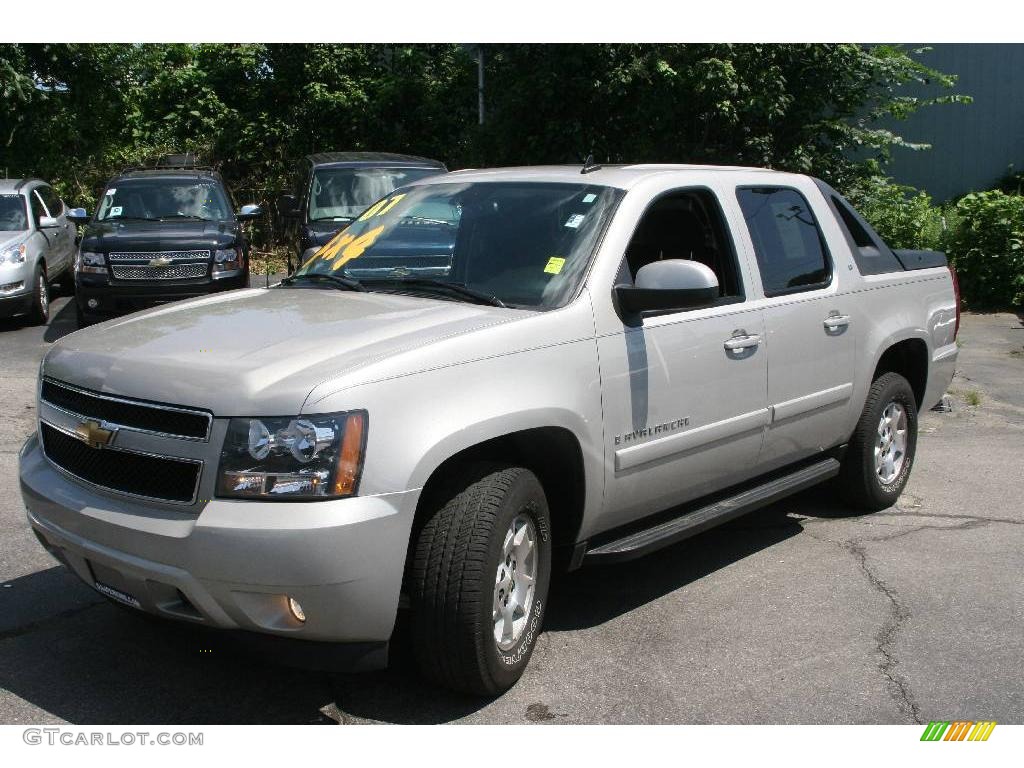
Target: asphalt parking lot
800,613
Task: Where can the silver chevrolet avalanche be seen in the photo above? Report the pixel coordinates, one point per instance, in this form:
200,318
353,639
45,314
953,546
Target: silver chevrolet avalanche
489,376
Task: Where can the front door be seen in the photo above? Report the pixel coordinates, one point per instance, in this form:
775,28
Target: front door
684,394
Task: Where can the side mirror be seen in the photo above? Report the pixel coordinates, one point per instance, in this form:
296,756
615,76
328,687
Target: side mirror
249,212
672,284
288,206
48,222
77,215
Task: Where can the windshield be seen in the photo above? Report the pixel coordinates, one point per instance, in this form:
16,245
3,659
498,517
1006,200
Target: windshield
341,194
526,244
12,213
161,198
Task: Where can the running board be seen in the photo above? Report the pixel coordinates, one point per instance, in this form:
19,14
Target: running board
669,532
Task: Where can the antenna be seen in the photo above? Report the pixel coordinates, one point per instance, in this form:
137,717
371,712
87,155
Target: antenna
589,165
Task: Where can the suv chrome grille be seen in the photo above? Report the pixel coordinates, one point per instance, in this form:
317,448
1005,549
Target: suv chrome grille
170,272
138,474
159,265
140,416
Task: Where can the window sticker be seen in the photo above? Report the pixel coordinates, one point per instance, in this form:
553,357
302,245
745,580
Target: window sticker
554,265
589,198
575,220
116,210
111,191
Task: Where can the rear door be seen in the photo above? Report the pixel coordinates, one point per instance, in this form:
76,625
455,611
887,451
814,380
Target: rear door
809,343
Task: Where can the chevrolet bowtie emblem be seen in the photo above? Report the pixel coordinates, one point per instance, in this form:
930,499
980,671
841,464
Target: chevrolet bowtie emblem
160,261
94,434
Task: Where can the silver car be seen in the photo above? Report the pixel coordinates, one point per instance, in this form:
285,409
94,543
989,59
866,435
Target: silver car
37,245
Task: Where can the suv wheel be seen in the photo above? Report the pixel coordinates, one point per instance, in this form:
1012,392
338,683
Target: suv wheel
881,453
40,312
479,580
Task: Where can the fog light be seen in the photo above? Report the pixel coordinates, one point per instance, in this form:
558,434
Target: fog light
296,609
92,303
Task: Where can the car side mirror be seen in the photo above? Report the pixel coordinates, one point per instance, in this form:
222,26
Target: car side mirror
77,215
48,222
671,284
288,206
249,212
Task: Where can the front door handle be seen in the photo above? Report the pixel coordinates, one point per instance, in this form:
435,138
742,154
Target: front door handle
835,322
742,342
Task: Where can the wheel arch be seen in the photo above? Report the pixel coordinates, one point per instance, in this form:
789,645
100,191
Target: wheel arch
909,358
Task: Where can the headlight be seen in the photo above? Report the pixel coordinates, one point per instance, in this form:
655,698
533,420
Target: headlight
13,255
306,457
88,261
227,260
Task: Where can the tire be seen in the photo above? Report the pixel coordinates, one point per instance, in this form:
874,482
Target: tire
865,481
39,314
461,554
81,318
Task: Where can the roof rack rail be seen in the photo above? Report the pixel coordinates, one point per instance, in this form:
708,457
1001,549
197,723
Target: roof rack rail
185,161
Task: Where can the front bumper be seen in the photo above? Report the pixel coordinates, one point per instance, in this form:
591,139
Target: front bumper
16,302
113,297
237,563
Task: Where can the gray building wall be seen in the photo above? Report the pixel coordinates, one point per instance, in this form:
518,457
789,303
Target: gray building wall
972,144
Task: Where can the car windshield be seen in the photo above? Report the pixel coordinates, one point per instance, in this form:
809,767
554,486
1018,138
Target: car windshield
163,198
12,213
341,194
524,244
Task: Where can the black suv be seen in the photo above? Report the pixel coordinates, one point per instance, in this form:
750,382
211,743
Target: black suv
160,234
330,189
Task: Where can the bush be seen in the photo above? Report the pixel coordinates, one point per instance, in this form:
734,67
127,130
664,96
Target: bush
987,248
902,218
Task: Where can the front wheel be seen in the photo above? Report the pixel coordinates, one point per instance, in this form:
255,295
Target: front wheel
479,581
40,311
881,452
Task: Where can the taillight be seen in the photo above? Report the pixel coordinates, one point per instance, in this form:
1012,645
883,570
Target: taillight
956,294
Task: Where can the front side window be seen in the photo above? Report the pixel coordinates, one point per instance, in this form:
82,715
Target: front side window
12,213
341,194
158,199
525,244
53,204
789,246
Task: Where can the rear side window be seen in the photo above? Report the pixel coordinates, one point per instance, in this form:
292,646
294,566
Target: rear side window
790,249
872,255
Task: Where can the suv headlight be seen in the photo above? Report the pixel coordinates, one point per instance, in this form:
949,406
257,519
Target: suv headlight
226,260
13,255
87,261
306,457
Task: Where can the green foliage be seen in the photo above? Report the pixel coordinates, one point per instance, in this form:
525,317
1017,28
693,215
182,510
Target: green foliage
987,248
903,218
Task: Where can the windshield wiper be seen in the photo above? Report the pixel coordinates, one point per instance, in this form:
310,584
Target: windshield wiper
342,283
184,216
129,218
333,218
458,288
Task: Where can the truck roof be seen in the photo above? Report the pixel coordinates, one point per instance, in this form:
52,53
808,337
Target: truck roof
168,173
621,176
371,158
16,185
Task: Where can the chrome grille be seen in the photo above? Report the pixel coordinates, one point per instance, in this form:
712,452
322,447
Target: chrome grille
170,272
138,415
159,265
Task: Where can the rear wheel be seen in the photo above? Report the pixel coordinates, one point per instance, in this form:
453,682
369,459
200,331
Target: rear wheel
881,453
40,311
479,580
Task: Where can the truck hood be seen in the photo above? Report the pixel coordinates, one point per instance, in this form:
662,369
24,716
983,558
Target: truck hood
257,352
113,236
9,238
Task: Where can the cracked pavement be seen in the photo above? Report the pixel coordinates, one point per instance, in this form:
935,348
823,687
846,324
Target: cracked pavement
799,613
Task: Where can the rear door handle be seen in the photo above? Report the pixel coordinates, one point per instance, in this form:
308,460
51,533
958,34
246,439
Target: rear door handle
833,322
742,342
